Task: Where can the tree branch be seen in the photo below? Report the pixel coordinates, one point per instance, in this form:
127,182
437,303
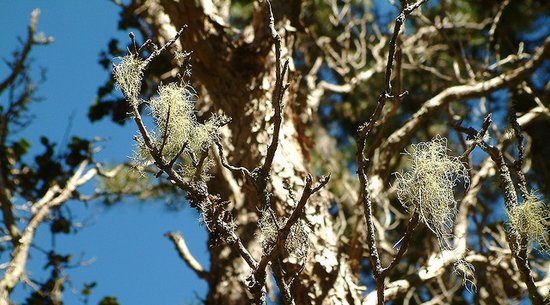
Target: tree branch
363,163
19,63
517,244
277,97
397,139
197,193
259,272
185,254
20,253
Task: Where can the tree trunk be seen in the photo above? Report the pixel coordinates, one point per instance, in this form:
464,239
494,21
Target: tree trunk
237,76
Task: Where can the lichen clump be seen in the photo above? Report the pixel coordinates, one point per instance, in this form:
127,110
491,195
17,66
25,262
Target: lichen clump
427,186
297,242
531,220
173,112
177,133
269,229
466,271
128,75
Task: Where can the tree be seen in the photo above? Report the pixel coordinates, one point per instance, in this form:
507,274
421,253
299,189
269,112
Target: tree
34,185
399,113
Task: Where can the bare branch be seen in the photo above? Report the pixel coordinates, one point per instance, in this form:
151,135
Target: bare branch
20,253
166,130
517,243
19,64
259,272
413,222
197,193
230,167
183,251
363,163
157,51
277,95
397,139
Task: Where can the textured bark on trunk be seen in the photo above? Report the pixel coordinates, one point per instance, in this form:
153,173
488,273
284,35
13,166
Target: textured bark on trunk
237,76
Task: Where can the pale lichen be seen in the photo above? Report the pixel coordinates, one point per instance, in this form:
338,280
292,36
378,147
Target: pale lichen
297,241
269,229
128,75
428,186
172,109
531,220
466,272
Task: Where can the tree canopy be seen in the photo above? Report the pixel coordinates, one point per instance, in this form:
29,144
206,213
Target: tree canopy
337,152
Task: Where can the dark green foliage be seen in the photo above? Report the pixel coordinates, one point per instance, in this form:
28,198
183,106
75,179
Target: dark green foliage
79,150
116,109
51,290
87,289
109,301
241,13
61,225
34,179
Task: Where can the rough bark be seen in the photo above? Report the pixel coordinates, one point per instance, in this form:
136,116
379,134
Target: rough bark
237,77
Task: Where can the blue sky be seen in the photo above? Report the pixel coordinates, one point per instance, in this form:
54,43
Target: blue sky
132,259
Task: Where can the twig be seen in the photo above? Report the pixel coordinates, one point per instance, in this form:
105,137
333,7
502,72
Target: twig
176,157
493,28
407,10
157,52
19,63
518,163
510,199
166,129
110,173
183,251
196,192
199,166
259,272
473,135
397,139
299,209
230,167
18,68
413,222
20,253
362,161
277,97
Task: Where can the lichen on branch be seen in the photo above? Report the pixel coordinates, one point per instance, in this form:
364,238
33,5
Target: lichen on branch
427,187
128,75
531,220
177,129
